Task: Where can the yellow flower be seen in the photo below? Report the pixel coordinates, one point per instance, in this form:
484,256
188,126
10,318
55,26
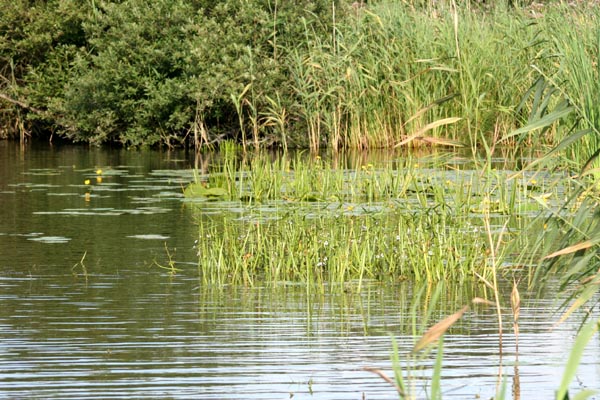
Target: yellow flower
98,171
99,179
86,182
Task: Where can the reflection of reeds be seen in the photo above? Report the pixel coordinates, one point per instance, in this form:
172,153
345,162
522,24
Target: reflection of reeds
515,304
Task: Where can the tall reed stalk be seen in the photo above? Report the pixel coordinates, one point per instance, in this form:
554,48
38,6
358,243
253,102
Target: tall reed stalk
396,69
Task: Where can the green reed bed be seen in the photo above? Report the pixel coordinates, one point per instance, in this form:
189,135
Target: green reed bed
434,221
574,77
303,220
393,70
337,249
397,74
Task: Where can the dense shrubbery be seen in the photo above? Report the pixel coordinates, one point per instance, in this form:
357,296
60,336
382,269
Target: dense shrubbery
142,73
269,72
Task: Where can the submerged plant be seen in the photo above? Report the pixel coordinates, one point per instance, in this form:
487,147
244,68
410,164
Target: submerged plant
170,267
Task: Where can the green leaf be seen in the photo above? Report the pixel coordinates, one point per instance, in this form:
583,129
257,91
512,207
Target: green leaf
544,122
584,336
436,392
194,190
397,368
584,394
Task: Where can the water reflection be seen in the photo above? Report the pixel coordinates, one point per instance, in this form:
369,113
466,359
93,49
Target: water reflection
64,338
85,312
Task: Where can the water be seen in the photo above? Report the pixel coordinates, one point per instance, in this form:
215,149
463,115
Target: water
86,311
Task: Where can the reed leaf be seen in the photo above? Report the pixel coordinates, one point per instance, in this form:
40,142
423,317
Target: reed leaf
563,145
442,141
585,394
430,106
436,392
479,300
399,383
427,128
437,330
574,248
590,161
583,298
386,378
543,122
584,336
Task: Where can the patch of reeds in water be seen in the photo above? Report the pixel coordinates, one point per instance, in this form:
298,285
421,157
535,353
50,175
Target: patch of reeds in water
306,221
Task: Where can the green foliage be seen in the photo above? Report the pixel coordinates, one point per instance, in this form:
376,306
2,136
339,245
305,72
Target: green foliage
142,73
130,87
307,73
31,30
35,35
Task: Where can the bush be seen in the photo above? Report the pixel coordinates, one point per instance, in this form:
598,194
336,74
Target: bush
142,73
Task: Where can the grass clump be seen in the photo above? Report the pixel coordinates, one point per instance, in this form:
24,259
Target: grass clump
336,248
305,220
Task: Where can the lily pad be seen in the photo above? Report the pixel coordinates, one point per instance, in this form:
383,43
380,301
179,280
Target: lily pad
194,190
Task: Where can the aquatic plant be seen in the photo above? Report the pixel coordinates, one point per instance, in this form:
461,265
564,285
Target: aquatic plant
170,267
304,219
409,372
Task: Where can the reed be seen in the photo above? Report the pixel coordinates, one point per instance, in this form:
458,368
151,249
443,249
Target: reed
304,219
394,70
575,43
409,376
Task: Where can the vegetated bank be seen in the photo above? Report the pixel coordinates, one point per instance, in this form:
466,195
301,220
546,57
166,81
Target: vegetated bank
324,73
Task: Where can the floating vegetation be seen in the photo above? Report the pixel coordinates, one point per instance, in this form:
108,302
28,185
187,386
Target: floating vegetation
105,211
198,190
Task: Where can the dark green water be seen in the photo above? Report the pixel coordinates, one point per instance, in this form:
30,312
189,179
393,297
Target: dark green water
113,324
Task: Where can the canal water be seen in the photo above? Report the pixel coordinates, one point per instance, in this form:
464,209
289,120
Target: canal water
88,308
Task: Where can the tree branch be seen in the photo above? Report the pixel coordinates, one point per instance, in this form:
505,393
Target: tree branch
20,104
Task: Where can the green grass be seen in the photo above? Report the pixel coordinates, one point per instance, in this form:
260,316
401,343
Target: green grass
308,220
395,69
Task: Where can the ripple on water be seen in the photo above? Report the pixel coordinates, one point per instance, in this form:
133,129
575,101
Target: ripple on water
50,239
149,236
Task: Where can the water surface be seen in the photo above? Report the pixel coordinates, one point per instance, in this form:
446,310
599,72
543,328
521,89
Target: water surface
88,312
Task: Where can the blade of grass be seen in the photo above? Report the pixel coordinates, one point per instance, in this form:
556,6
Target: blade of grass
581,341
436,393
